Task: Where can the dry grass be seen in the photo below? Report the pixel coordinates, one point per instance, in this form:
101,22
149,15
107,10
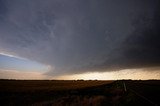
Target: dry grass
46,85
76,93
98,100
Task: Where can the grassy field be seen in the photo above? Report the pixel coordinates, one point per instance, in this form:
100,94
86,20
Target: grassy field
47,85
79,93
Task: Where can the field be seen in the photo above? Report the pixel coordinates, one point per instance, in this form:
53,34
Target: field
79,92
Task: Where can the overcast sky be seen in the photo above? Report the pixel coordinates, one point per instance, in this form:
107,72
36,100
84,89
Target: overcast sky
65,37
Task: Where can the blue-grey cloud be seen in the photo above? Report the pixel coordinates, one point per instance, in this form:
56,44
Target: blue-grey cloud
75,36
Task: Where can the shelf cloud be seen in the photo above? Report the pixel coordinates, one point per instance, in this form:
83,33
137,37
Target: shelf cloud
78,36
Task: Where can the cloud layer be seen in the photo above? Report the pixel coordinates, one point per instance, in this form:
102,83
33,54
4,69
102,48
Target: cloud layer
79,36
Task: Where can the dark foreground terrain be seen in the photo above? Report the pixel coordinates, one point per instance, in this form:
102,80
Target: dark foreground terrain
79,93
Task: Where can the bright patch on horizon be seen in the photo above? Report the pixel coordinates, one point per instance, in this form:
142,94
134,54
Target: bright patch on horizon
134,74
14,74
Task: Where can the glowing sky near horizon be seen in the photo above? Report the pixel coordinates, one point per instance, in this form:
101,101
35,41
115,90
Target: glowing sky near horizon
13,67
79,39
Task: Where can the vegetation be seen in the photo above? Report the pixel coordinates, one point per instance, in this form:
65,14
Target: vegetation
72,93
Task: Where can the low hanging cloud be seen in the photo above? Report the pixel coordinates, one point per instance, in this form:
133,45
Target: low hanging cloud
77,36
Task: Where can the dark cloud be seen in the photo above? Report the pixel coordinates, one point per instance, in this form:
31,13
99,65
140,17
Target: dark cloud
143,45
76,36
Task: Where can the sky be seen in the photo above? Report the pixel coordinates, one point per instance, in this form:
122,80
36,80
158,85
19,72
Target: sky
79,39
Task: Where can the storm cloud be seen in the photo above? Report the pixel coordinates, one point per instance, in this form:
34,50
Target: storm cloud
77,36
